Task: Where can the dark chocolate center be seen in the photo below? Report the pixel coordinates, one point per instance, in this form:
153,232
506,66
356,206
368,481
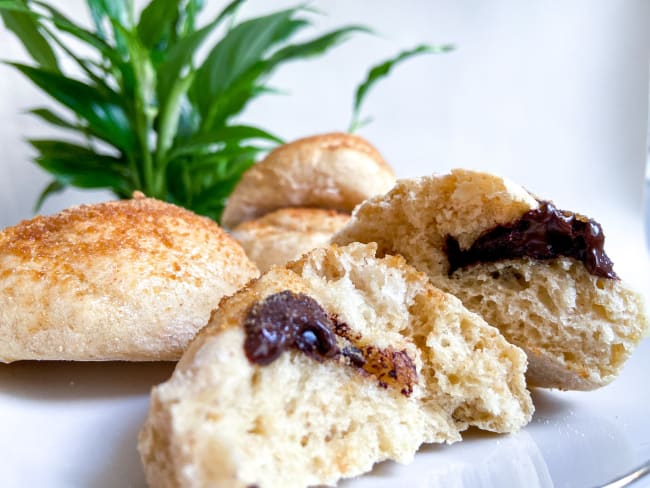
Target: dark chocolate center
285,320
541,233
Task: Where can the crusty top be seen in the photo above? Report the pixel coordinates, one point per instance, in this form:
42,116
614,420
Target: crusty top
330,141
104,228
130,279
331,171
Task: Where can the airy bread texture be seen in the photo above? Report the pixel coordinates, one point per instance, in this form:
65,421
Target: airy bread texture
300,421
125,280
578,329
286,234
332,171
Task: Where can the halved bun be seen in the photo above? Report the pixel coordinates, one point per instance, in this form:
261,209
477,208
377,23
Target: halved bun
578,328
407,364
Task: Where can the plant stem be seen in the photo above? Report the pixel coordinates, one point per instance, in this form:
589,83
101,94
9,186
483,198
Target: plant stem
169,116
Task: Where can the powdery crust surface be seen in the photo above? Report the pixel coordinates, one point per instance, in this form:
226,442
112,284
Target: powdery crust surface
124,280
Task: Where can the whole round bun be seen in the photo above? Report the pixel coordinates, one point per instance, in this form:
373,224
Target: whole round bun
285,234
123,280
419,368
333,171
578,329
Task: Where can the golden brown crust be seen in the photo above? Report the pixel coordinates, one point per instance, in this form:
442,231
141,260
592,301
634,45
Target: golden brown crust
103,229
331,171
129,280
331,142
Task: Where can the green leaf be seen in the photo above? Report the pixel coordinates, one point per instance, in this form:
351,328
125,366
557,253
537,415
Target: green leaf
79,166
207,154
62,149
157,20
212,200
318,45
241,49
180,56
382,70
96,9
26,28
236,133
120,11
187,18
105,118
53,187
66,25
48,116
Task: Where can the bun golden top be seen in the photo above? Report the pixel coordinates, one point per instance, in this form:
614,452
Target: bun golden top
130,279
331,171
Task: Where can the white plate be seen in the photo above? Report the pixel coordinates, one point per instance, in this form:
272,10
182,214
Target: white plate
66,424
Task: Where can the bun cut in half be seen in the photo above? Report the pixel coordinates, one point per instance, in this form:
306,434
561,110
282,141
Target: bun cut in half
537,273
333,171
126,280
316,372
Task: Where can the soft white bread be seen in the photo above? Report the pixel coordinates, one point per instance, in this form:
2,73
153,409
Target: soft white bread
411,365
332,171
577,328
285,234
124,280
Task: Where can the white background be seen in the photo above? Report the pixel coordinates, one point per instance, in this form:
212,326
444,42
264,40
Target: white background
552,94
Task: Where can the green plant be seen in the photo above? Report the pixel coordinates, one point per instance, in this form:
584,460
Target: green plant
382,70
150,115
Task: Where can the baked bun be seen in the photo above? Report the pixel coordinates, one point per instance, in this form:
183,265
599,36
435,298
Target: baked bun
286,234
381,362
332,171
125,280
577,322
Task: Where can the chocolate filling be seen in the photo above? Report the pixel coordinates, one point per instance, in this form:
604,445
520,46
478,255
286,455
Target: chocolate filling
288,319
285,320
541,233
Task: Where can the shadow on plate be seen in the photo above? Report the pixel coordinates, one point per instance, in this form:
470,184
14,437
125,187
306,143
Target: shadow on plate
549,403
69,381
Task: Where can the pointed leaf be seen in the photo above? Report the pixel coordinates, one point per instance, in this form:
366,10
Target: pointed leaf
48,116
241,48
26,28
79,166
382,70
66,25
96,9
318,45
180,56
157,20
120,11
187,18
105,117
207,153
235,133
53,187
